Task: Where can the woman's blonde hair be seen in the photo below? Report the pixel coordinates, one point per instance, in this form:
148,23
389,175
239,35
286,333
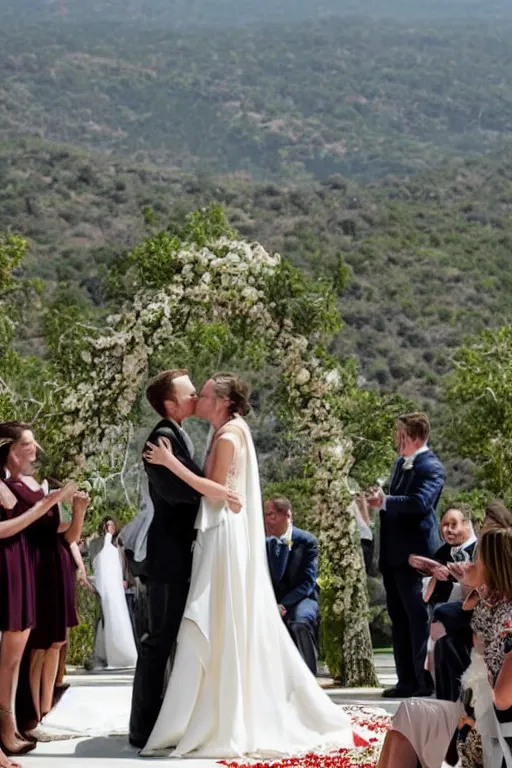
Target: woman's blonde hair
235,389
495,552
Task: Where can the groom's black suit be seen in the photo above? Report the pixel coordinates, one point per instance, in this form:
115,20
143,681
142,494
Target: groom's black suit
168,568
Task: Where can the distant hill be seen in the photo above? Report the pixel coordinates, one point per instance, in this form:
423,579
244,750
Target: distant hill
363,98
184,13
430,258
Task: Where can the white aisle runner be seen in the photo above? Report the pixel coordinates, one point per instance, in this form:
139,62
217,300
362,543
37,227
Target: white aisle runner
90,727
91,711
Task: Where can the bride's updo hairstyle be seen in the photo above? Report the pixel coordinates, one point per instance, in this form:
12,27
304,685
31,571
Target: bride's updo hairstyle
235,389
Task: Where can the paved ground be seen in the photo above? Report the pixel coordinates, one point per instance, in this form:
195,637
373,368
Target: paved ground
112,751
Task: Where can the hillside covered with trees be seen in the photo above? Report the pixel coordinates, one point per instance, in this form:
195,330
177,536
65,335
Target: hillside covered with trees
359,96
369,143
189,13
420,265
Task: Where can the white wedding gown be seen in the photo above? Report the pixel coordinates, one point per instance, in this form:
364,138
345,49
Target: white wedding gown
238,686
115,643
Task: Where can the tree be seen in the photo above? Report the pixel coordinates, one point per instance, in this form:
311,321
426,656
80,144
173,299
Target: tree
198,286
26,388
479,391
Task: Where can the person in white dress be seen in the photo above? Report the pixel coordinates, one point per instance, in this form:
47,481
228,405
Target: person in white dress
115,642
238,686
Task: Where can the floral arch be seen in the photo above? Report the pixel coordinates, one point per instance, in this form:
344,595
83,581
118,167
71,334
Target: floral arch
202,284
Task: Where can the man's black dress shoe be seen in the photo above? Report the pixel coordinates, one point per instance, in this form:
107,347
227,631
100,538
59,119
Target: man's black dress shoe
137,741
396,693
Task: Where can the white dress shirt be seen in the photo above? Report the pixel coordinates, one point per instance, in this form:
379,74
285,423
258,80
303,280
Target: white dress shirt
186,437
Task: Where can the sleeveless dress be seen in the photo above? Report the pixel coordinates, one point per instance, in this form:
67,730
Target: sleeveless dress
54,572
17,583
239,686
492,622
429,724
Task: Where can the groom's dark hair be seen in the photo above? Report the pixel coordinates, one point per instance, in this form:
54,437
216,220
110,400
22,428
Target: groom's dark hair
161,388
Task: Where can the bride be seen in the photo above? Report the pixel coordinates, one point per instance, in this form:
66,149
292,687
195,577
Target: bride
238,686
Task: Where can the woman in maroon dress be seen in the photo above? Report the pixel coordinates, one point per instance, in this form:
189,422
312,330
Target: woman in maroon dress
48,541
17,585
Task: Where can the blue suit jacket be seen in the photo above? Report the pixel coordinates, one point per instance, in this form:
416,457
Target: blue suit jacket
294,571
408,525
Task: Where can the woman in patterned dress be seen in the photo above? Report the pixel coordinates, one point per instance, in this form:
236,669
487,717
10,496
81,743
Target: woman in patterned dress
422,729
492,625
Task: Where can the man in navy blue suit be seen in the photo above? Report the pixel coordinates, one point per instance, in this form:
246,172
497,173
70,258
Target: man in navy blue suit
293,563
408,526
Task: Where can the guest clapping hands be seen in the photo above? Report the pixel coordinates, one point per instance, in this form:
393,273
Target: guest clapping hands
53,572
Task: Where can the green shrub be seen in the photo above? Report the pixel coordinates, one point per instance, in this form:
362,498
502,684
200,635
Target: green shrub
81,639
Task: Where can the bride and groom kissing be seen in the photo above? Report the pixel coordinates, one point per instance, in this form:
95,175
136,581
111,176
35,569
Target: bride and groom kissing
238,685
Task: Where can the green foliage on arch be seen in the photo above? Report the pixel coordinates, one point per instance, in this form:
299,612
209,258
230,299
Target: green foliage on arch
197,289
197,295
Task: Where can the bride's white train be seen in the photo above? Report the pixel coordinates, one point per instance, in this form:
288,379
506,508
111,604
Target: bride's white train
239,686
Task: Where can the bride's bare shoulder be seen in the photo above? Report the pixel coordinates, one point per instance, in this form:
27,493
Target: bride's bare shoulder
233,430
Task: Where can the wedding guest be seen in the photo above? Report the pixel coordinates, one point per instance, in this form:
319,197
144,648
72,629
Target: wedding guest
441,587
55,611
457,532
423,730
81,570
131,593
95,543
451,621
115,643
293,562
60,686
134,586
408,525
17,593
110,525
359,508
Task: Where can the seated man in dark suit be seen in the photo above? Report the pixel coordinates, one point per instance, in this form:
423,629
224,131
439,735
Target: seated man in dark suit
293,562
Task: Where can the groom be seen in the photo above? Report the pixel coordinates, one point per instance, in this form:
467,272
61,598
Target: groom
169,548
